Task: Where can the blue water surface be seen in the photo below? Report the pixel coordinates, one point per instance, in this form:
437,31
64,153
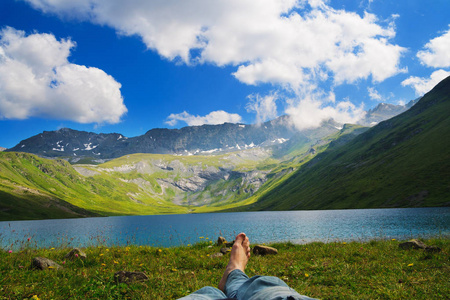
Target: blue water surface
261,227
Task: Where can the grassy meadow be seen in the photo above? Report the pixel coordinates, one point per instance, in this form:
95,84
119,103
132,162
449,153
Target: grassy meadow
378,269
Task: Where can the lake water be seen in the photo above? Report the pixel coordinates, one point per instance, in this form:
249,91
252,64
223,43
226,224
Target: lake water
261,227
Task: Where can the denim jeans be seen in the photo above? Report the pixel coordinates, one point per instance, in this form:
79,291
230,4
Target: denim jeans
240,286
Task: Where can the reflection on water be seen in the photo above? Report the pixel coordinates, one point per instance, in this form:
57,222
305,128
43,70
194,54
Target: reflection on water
262,227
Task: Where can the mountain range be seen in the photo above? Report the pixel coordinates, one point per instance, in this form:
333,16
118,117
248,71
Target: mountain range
192,140
401,162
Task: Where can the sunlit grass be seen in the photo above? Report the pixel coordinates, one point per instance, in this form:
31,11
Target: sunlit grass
338,270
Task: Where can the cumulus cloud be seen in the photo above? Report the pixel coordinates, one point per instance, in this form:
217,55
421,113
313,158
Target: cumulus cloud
437,52
37,80
264,107
424,85
284,42
311,110
215,117
374,95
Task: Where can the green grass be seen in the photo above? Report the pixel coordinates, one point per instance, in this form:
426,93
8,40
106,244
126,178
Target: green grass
372,270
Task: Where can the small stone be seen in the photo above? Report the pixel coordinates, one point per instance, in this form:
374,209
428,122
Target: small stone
215,255
229,244
412,244
221,240
43,263
225,250
76,253
264,250
128,277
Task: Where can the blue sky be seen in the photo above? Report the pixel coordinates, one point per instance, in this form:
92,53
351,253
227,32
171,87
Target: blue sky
130,66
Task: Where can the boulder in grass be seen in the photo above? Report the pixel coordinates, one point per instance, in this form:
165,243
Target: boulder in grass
412,244
129,277
221,240
76,253
42,263
416,244
216,255
225,250
264,250
229,244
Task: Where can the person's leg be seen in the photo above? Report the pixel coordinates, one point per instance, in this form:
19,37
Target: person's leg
267,287
240,253
236,284
206,293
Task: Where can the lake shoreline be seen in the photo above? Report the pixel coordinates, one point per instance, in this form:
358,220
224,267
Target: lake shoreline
298,227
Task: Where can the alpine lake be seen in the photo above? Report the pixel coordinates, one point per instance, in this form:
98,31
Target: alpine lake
262,227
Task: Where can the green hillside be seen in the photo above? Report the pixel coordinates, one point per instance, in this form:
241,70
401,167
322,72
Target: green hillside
401,162
36,188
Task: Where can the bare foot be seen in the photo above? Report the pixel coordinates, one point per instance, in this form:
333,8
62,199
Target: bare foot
240,253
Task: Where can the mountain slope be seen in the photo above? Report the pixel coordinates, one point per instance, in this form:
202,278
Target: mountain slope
401,162
37,184
384,111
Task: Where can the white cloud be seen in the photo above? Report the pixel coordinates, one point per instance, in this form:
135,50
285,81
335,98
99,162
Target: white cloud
215,117
264,107
287,42
437,52
424,85
374,95
36,80
310,111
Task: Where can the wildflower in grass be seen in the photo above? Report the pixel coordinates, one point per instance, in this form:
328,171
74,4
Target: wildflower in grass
159,250
410,265
52,248
106,249
207,238
35,297
10,251
28,239
76,254
393,239
116,262
306,275
141,265
101,254
51,267
344,243
174,270
201,237
64,262
189,245
104,265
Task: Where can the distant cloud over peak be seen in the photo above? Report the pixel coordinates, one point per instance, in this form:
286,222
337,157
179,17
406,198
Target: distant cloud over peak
37,80
213,118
